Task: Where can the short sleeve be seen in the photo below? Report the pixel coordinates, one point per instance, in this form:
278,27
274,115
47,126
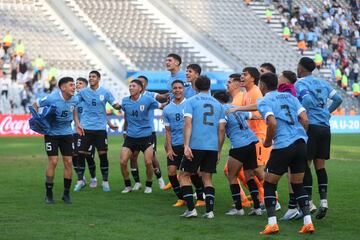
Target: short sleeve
222,115
332,92
166,119
111,99
188,111
45,101
154,104
248,115
264,108
301,90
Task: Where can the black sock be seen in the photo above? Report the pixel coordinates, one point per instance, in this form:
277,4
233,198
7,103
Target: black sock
157,172
91,164
148,183
49,187
75,160
254,192
235,194
308,182
199,186
270,198
292,201
301,197
67,185
104,166
188,197
135,174
209,198
176,186
81,166
127,182
322,182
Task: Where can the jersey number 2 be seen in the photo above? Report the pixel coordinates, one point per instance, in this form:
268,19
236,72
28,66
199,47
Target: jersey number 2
208,114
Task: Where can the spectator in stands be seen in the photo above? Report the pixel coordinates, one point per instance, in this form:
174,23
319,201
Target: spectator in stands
22,70
268,15
5,85
19,48
356,89
53,72
286,33
25,96
2,53
7,41
352,111
39,65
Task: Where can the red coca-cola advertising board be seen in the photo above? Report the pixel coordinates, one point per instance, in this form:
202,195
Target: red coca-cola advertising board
15,125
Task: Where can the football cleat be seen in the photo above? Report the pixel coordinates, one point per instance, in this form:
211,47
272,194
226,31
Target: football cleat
307,228
126,190
200,203
290,214
321,212
161,183
105,186
255,212
209,215
235,212
148,190
66,199
79,185
137,186
179,203
93,182
270,229
189,214
167,186
49,200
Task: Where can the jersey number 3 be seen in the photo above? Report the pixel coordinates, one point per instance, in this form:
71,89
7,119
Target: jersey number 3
288,113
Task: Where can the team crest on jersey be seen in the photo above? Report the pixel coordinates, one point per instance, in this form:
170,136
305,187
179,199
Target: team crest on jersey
72,108
101,97
142,107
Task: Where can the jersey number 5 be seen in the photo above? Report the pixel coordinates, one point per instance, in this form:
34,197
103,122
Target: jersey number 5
208,114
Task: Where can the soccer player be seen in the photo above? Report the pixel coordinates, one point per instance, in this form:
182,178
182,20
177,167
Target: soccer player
93,127
249,80
80,84
137,110
267,67
193,71
60,136
242,154
203,138
287,121
156,165
173,116
314,93
172,63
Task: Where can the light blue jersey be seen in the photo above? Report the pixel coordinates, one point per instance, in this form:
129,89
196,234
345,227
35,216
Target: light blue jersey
286,109
137,114
151,117
206,113
180,75
319,91
63,114
94,111
237,128
189,91
174,118
80,111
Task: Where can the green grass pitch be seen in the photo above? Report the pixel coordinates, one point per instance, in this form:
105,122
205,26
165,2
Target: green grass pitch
98,215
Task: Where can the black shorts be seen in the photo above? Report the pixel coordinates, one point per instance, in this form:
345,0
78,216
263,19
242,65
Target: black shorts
154,140
179,151
138,144
246,155
319,142
53,143
77,142
204,159
293,157
93,138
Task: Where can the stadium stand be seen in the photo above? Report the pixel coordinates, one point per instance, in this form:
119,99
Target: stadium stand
136,33
237,31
